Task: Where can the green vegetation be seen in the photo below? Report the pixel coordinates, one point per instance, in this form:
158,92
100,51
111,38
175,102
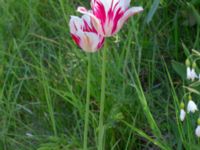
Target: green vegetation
44,75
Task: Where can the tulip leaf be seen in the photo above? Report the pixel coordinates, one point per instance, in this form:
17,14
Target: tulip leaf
180,69
152,11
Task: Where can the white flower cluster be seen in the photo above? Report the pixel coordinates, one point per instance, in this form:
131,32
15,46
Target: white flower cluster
191,105
191,108
191,73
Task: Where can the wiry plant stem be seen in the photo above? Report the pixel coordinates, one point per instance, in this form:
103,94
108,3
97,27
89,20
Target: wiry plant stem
101,117
85,139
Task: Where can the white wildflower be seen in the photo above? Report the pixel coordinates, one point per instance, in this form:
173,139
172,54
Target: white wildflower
182,115
191,107
182,111
193,74
188,73
188,70
197,131
29,134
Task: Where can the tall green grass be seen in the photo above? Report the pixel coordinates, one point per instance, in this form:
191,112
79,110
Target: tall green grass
50,95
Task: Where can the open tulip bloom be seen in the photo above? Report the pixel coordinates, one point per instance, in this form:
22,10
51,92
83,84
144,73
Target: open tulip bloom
84,34
108,16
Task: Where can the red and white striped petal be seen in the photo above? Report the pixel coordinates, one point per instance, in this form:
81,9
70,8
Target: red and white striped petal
111,15
90,41
95,21
84,33
130,12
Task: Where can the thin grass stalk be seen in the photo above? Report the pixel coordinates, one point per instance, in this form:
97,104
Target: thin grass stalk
143,102
49,103
144,135
176,104
145,106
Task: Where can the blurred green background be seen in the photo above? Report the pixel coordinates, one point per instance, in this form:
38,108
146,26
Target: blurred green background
43,77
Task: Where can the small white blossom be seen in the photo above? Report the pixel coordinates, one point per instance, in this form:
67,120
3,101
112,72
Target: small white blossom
29,134
191,107
188,73
193,74
182,114
197,131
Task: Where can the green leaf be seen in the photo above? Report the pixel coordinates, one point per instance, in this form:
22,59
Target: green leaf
180,69
196,13
186,50
152,11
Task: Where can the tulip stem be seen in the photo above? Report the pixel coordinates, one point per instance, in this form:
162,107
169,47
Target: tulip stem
102,101
85,138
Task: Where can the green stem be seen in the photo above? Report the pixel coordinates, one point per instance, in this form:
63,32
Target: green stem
85,139
101,117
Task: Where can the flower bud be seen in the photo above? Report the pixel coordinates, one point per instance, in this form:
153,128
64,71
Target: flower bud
194,65
198,121
187,62
182,105
189,97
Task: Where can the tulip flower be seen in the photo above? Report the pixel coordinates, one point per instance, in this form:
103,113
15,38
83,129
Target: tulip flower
84,34
108,16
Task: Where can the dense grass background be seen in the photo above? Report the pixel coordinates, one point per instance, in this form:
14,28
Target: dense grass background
43,77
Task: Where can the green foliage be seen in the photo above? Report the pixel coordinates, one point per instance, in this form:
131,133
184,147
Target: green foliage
43,78
152,11
180,69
